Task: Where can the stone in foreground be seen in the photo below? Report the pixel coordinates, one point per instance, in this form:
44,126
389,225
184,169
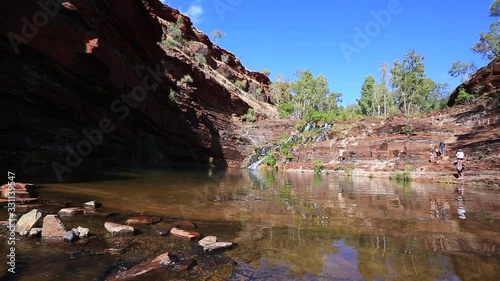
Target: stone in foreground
143,220
185,233
28,220
116,228
142,268
53,227
210,243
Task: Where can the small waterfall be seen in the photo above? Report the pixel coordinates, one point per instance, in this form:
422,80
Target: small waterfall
256,164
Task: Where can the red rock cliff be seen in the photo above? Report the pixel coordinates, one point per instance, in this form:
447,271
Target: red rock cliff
90,84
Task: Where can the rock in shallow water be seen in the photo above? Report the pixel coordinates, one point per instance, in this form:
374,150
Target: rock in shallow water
91,204
142,268
184,233
142,220
28,220
35,232
82,232
185,224
116,228
210,243
53,227
70,236
73,211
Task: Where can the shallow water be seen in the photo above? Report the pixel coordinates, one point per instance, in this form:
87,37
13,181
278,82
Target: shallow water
288,226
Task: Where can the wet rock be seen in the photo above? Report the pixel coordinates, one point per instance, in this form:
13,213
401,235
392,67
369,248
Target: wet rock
28,220
113,251
92,212
207,241
162,228
189,234
91,204
116,228
142,268
82,232
23,233
210,243
185,224
53,227
73,211
187,264
70,236
142,220
35,232
217,246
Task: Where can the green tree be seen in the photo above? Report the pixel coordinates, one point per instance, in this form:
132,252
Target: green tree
217,35
311,95
462,69
407,79
489,42
365,102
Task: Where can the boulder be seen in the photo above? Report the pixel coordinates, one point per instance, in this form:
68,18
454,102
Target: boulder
143,220
185,224
116,228
28,220
210,243
142,268
91,204
82,232
53,227
189,234
71,211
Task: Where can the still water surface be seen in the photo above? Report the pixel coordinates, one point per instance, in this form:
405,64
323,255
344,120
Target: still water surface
297,226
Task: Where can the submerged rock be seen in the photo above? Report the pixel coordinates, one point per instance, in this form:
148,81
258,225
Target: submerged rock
116,228
73,211
53,227
185,224
162,228
28,220
142,268
142,220
189,234
210,243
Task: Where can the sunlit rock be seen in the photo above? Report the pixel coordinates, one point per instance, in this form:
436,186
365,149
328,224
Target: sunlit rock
189,234
53,227
28,220
116,228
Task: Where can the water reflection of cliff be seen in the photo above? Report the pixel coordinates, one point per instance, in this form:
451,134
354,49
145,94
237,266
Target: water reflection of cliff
390,231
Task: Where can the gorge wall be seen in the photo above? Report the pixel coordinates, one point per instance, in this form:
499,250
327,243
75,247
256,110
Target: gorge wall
93,84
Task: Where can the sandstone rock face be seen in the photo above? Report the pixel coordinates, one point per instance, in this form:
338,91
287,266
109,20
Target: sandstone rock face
28,220
116,228
74,66
188,234
142,268
53,227
142,220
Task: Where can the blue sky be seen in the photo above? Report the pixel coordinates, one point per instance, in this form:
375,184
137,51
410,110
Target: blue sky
286,36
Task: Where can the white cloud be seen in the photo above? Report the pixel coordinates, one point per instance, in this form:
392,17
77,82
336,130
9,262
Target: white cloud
195,11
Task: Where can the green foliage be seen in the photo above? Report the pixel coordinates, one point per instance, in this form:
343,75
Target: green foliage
174,30
462,69
217,35
285,110
464,97
171,43
408,130
289,156
271,160
186,79
249,116
280,92
407,80
200,58
489,42
367,91
241,84
172,101
266,72
224,58
318,166
312,94
403,176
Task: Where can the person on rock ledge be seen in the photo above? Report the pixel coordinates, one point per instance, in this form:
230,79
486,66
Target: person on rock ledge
460,163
